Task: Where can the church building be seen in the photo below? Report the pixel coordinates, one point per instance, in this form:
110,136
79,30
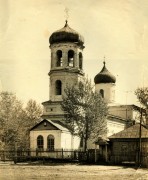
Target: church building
66,47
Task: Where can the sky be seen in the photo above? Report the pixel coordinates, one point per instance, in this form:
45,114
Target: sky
116,29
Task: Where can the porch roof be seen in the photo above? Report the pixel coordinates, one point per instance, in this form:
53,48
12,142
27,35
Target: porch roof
101,141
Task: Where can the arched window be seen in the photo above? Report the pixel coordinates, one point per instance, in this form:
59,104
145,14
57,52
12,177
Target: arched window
40,142
50,143
59,58
80,60
102,93
71,58
58,87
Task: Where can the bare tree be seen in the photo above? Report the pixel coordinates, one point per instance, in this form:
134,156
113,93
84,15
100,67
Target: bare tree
85,110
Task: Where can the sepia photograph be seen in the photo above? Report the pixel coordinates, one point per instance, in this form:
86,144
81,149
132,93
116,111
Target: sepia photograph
74,89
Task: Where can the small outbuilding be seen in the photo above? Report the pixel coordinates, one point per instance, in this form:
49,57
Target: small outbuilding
49,136
130,146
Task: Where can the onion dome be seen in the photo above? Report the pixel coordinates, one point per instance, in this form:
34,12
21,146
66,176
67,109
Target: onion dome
66,34
104,76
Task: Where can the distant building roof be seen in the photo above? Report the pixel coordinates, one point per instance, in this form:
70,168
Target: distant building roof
131,132
133,106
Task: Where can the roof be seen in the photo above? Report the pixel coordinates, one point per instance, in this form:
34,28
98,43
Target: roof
66,34
131,132
50,125
116,118
51,102
104,76
58,124
101,141
133,106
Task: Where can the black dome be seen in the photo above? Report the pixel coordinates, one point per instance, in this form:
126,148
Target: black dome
66,34
104,76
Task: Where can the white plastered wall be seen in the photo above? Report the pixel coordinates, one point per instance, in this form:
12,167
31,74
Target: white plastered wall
45,133
109,91
114,127
63,140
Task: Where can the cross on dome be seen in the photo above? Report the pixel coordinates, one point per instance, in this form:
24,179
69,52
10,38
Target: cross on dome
66,22
104,61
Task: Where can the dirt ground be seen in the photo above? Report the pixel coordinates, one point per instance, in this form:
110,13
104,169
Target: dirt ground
10,171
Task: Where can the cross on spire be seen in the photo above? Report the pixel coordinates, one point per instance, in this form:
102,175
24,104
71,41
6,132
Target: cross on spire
66,14
104,61
66,23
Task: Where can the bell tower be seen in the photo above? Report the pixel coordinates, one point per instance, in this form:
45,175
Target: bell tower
66,68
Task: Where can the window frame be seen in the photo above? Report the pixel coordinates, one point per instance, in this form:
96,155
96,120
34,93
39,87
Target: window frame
58,87
50,142
59,62
71,58
40,142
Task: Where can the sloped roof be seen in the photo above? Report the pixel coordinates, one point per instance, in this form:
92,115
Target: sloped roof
58,124
133,106
51,125
131,132
116,118
101,141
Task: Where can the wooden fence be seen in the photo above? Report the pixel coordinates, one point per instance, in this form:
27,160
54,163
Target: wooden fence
91,156
57,154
